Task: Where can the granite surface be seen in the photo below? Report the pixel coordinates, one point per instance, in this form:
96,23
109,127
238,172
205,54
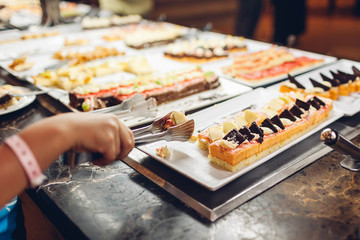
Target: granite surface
115,202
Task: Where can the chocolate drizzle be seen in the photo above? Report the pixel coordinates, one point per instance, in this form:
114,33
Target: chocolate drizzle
288,115
235,137
276,121
302,105
294,81
319,85
267,123
245,131
296,111
254,128
334,82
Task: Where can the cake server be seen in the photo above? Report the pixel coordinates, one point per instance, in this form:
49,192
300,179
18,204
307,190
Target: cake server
336,141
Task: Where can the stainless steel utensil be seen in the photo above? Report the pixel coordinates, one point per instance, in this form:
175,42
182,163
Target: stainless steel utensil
336,141
181,132
155,127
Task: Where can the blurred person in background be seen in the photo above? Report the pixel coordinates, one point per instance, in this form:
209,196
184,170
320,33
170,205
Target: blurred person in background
249,12
289,21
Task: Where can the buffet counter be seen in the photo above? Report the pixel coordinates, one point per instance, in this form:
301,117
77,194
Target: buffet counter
116,202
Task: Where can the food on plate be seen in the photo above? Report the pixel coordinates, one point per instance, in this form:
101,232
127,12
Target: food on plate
70,77
266,64
20,64
204,50
82,57
76,42
35,35
6,97
163,87
150,37
341,84
163,152
253,134
115,20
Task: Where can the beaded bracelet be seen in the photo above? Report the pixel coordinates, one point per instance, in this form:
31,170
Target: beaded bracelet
27,160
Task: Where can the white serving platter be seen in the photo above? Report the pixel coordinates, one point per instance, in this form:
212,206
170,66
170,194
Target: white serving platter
21,103
255,46
349,105
191,161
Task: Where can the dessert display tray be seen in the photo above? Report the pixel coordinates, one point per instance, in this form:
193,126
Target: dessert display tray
349,105
254,46
191,161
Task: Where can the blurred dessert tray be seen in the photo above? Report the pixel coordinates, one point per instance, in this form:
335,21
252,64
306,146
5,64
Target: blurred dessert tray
256,46
191,161
349,105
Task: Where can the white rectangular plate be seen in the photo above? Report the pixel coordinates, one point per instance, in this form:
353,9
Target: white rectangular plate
254,46
349,105
191,161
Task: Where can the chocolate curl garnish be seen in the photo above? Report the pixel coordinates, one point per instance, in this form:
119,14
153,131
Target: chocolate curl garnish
235,137
319,85
288,115
334,82
276,121
302,104
319,101
356,71
314,103
245,131
267,123
294,81
296,111
346,75
254,128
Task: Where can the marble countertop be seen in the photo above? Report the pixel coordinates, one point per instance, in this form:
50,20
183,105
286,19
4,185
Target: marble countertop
115,202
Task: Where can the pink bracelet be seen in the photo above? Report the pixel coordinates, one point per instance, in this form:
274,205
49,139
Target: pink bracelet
27,160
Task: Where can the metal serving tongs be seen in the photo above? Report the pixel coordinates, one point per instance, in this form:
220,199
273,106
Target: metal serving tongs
146,108
156,127
181,132
339,143
126,104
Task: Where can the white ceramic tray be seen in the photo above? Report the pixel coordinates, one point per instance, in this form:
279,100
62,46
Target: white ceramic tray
188,159
254,46
21,103
349,105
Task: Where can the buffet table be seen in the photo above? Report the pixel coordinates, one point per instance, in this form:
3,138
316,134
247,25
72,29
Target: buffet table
116,202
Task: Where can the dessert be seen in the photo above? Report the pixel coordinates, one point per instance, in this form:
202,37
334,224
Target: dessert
163,152
250,136
82,57
20,64
115,20
70,77
6,99
202,50
262,65
163,87
342,84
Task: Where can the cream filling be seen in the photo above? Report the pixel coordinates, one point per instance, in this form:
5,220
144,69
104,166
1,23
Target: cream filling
286,122
267,130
